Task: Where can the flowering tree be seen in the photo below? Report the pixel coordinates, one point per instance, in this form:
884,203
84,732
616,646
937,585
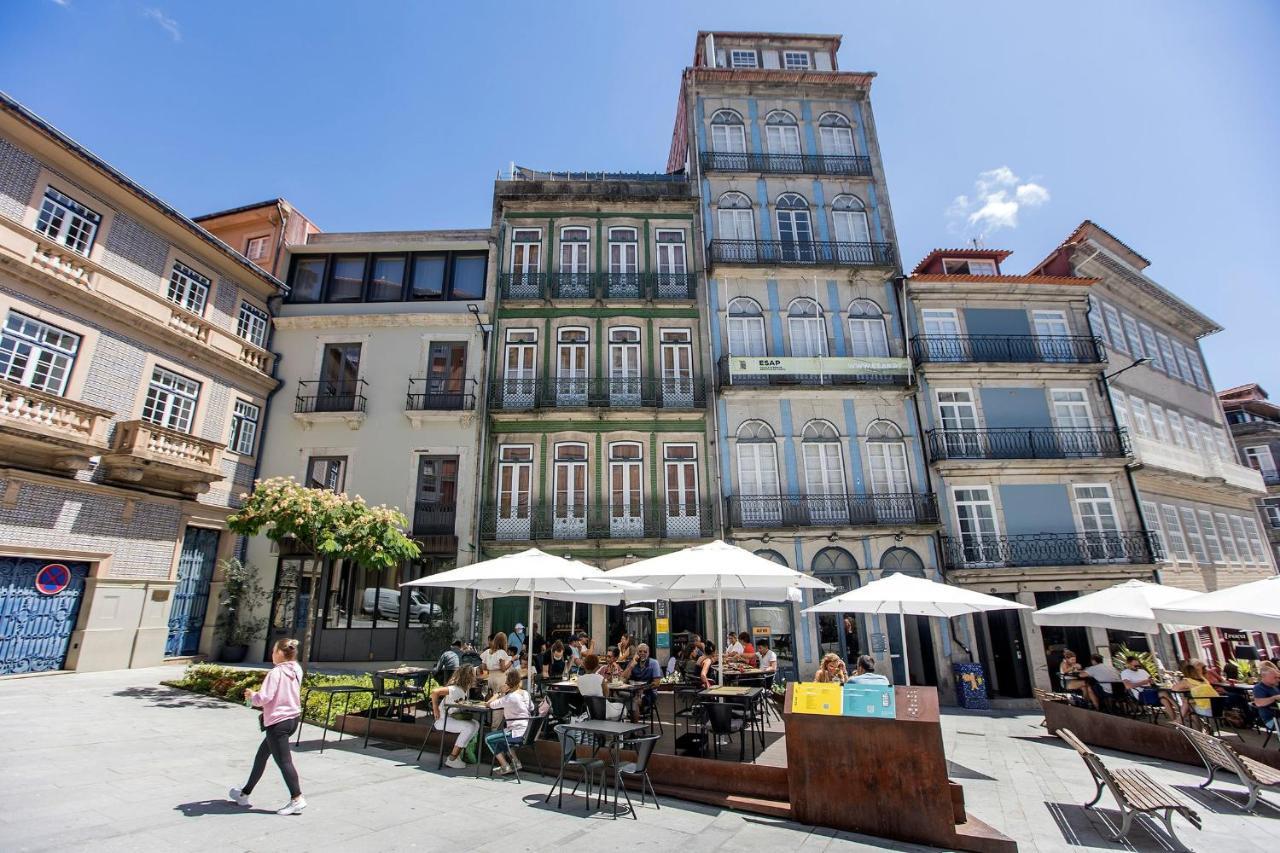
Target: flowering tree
326,525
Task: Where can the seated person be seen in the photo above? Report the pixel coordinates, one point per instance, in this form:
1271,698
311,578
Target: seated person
677,660
610,667
591,683
1212,674
1266,693
708,660
516,706
451,694
865,672
1103,673
696,649
644,668
768,657
1072,676
1134,676
555,665
748,650
831,669
732,646
1197,690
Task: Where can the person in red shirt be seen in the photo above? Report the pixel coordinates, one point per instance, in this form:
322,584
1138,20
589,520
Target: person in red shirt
748,650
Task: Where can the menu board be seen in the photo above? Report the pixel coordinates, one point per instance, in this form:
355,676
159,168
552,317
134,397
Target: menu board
811,697
869,700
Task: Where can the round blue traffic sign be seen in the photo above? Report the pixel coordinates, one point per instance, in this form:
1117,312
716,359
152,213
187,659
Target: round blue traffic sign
52,579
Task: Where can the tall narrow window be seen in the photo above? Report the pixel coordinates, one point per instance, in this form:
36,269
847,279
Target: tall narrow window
737,227
680,477
976,521
244,427
36,354
1096,323
526,251
626,509
171,400
1151,517
1259,458
446,375
339,383
1132,336
672,268
807,328
520,368
1228,542
251,324
1150,347
890,477
571,367
795,228
64,220
1052,341
1192,530
849,215
835,135
575,251
758,491
1241,537
676,358
435,507
188,288
1166,354
1175,429
514,512
746,327
624,366
1159,426
1098,522
1210,534
1141,421
569,484
728,136
1255,542
782,133
1184,367
1173,529
624,263
958,418
823,474
1115,328
867,335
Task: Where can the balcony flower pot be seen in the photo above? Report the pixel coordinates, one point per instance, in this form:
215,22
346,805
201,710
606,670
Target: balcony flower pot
233,653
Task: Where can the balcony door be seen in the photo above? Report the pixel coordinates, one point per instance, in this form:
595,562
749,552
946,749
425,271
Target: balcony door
626,508
624,367
1052,336
758,490
672,265
446,375
569,511
889,474
795,229
867,335
942,335
339,378
680,476
746,327
526,262
1098,522
624,279
515,478
520,368
735,219
959,420
676,355
571,367
807,328
976,521
435,505
823,474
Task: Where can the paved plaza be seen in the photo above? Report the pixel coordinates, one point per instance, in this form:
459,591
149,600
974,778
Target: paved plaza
114,761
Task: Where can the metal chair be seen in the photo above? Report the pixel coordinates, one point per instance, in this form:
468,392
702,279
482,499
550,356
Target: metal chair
530,739
597,707
722,721
644,747
569,758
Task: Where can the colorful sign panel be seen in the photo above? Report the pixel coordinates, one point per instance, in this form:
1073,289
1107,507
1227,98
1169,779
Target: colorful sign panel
761,365
811,697
53,579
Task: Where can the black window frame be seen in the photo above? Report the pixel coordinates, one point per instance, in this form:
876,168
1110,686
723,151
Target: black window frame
293,277
445,277
363,287
341,487
407,291
372,263
454,257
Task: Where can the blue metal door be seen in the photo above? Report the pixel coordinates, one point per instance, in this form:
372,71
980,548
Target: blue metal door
191,597
35,628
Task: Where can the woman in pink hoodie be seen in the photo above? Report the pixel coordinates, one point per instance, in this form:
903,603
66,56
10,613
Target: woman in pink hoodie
281,715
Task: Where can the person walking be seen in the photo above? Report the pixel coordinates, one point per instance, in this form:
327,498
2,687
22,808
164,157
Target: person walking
281,714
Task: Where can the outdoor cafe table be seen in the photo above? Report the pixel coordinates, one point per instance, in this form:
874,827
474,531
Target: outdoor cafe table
731,674
478,709
614,733
625,690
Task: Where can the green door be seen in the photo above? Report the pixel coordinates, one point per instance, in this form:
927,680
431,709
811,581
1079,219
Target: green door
507,611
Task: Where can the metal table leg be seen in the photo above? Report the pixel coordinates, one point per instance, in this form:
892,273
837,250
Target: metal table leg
325,732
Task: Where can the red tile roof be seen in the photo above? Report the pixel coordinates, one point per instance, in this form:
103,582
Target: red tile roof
1007,279
998,255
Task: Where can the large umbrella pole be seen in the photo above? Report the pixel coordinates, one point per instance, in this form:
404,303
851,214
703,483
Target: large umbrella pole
573,620
906,663
720,630
528,643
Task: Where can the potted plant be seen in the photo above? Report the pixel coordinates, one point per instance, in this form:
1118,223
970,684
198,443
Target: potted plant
242,596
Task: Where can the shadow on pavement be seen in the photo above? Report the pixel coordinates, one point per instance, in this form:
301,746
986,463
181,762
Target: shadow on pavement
200,808
167,697
959,771
1081,827
1228,801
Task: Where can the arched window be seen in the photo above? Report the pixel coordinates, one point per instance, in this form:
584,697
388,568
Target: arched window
824,497
902,560
772,556
849,216
746,327
807,328
795,227
889,475
837,632
782,133
867,335
834,561
758,503
792,201
728,134
735,218
835,135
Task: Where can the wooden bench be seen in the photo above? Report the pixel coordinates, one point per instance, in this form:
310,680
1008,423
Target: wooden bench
1046,696
1134,790
1218,755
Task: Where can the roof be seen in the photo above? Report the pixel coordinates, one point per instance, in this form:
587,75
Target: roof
998,255
10,105
780,75
1079,233
1007,279
767,35
1244,393
271,202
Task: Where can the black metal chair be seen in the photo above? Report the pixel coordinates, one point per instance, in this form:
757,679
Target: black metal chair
597,707
569,758
530,739
644,747
647,711
722,721
561,705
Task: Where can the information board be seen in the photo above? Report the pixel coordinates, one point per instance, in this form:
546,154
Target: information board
811,697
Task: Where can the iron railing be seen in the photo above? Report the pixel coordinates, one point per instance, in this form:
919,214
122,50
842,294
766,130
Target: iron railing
1044,349
800,253
657,286
1049,549
582,520
440,395
433,518
330,395
791,164
830,510
598,393
726,378
1031,443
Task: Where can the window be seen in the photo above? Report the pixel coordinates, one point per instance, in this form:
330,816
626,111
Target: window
431,275
626,509
1115,329
680,475
671,253
36,354
569,487
782,134
968,266
1255,542
743,59
888,454
446,373
1184,367
1132,336
733,213
771,555
1175,429
1096,324
346,279
976,521
64,220
623,251
526,251
1242,540
1141,422
308,280
823,472
1120,404
244,427
1151,348
796,60
1098,521
901,561
795,228
515,479
1158,424
520,368
1166,354
849,216
1210,534
1193,433
436,502
1273,518
940,322
1193,534
188,288
386,284
758,474
746,327
728,135
835,135
1071,408
256,248
327,472
468,277
575,251
1197,369
957,415
867,335
1173,529
1228,543
1260,458
1151,517
251,324
807,328
171,400
428,276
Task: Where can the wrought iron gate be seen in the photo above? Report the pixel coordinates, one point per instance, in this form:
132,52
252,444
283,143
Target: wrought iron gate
191,596
35,628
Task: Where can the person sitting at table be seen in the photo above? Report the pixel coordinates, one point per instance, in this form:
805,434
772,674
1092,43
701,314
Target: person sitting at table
449,661
556,663
591,683
621,652
1266,693
677,659
451,694
708,660
646,669
1134,676
768,658
495,661
517,708
611,666
864,672
748,650
1104,674
1196,689
1072,676
732,646
831,670
1212,674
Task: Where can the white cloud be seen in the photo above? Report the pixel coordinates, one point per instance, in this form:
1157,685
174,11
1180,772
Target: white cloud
169,25
61,2
998,197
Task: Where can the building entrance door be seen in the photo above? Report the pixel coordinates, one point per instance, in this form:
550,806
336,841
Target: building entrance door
191,596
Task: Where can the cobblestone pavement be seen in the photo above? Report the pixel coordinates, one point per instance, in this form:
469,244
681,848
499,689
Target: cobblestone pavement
114,761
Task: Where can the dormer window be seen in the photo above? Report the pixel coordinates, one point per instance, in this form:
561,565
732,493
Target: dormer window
743,59
968,266
796,60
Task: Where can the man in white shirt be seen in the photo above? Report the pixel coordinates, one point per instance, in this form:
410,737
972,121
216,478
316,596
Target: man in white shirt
768,657
732,646
1134,676
1103,673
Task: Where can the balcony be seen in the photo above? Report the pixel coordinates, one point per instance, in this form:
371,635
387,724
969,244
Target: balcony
1154,453
785,253
509,395
786,164
49,432
655,520
1007,349
440,395
325,400
156,457
434,518
738,371
1033,443
895,510
1049,549
637,286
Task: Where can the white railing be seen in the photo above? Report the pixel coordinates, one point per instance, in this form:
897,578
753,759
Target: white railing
62,263
1241,476
160,444
189,324
1158,454
51,413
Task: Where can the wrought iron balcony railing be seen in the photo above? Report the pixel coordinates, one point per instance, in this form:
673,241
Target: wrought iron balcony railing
1031,443
433,518
800,253
507,521
1034,349
658,286
329,395
790,164
830,510
440,395
799,371
1049,549
598,393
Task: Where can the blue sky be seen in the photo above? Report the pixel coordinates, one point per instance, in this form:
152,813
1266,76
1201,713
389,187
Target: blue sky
1161,121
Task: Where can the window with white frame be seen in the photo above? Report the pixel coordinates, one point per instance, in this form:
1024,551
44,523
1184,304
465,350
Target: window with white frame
796,60
171,400
746,327
835,135
976,521
1120,404
1132,336
188,288
1141,421
1193,433
1255,542
671,253
728,134
969,266
1197,369
1184,367
1192,530
1210,534
1115,328
888,452
782,133
1166,354
1158,424
1096,510
940,322
1150,348
1151,518
1242,541
623,251
1071,408
244,427
807,328
867,335
849,216
1228,542
743,59
1273,518
575,250
1259,457
36,354
64,220
1096,324
734,216
1173,530
251,324
1175,429
256,248
526,251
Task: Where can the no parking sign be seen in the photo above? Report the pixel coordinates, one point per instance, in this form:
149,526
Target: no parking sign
52,579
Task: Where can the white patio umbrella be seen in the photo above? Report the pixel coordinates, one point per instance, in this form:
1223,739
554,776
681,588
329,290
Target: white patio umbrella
1249,607
531,572
719,569
1123,607
608,597
905,595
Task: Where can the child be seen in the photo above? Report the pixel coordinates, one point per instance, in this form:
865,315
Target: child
281,714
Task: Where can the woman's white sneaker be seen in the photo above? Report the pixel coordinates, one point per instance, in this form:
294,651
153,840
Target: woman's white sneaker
238,797
455,763
293,807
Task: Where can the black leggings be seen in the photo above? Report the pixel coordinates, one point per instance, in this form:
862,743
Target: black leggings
276,745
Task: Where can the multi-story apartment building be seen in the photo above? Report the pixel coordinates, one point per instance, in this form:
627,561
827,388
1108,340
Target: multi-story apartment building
381,342
1196,499
820,458
134,377
261,231
1030,465
1254,422
597,442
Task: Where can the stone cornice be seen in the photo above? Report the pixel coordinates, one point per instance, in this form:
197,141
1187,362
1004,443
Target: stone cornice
419,320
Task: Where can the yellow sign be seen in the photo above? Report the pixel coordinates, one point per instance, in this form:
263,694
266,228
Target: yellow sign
664,626
761,631
812,697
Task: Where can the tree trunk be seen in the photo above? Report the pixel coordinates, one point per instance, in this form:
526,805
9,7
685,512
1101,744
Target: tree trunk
311,616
